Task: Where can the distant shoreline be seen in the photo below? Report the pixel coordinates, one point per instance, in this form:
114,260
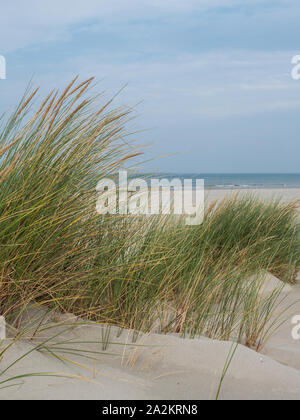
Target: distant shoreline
240,188
235,181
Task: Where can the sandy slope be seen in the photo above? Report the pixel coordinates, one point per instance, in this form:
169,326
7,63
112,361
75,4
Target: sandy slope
281,346
161,367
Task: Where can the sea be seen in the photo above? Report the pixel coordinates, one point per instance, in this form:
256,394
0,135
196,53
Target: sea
236,180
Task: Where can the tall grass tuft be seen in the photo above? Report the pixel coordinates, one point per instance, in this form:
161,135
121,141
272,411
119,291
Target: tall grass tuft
199,280
51,160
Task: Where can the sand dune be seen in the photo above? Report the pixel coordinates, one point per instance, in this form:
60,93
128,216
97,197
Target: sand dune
160,367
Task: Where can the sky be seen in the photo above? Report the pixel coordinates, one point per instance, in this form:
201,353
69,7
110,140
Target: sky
210,80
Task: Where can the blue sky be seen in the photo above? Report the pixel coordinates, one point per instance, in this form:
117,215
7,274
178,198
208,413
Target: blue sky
212,78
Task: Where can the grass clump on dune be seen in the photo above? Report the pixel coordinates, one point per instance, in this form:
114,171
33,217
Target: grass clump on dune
195,280
51,161
268,230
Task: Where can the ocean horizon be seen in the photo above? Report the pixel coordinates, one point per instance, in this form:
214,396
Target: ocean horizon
236,180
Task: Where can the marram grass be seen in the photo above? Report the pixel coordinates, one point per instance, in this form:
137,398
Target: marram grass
51,160
143,273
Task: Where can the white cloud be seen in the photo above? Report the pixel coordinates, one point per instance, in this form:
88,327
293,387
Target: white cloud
208,85
191,97
201,85
213,84
30,22
218,84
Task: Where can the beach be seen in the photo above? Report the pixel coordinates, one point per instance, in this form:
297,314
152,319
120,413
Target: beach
121,305
165,368
159,366
149,204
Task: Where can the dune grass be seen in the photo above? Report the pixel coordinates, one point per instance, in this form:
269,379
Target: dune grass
143,273
51,160
196,280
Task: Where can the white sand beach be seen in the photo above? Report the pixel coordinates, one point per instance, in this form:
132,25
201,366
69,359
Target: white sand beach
159,367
